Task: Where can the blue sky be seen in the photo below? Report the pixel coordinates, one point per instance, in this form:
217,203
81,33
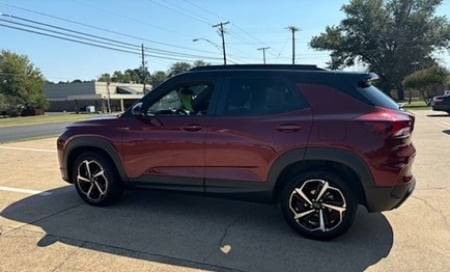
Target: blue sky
169,26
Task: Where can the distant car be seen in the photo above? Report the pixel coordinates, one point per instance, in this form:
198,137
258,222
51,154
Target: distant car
316,142
441,103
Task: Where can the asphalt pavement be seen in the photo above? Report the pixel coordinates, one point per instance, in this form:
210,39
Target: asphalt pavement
18,133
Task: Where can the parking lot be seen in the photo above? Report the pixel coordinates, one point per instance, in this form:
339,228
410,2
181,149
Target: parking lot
45,226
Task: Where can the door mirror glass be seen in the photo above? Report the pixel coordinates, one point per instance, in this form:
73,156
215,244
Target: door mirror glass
136,110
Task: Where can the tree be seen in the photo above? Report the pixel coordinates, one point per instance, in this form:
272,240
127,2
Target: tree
199,63
20,83
428,81
127,76
157,78
389,36
106,77
178,67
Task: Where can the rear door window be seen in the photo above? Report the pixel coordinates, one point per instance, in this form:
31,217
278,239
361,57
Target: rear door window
260,96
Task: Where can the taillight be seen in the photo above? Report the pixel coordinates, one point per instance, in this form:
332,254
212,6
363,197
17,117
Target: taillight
389,123
391,128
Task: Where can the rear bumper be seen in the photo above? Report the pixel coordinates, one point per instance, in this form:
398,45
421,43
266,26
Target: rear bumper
387,198
440,107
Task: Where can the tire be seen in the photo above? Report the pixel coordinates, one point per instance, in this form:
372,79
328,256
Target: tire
96,180
318,205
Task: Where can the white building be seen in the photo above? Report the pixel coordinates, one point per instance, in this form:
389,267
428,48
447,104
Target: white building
92,96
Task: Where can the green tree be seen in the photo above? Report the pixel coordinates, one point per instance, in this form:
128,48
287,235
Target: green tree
127,76
429,82
199,63
105,77
178,67
389,36
20,83
157,78
142,75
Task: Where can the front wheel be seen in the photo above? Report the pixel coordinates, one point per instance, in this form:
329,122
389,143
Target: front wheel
318,205
96,180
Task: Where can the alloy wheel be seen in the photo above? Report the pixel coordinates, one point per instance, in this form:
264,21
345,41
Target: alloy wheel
92,181
317,205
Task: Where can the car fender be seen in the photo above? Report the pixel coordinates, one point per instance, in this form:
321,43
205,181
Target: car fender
87,143
321,154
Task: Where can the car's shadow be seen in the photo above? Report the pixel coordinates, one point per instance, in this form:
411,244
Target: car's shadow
438,115
200,232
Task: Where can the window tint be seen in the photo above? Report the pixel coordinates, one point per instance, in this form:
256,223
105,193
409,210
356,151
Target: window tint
377,97
183,99
260,97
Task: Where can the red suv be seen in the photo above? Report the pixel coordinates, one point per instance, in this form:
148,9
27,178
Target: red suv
317,142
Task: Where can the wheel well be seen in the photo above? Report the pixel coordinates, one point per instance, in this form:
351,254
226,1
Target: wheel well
78,151
340,169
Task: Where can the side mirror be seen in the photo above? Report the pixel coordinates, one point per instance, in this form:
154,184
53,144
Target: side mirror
136,110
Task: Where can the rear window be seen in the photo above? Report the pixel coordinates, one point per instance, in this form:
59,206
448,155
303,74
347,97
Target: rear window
377,97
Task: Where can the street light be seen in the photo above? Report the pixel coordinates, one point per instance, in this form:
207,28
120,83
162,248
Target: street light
210,42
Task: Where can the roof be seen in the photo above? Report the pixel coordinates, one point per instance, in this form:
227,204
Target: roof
309,67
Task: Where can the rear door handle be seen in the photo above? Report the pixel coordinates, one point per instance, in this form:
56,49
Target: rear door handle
192,127
289,128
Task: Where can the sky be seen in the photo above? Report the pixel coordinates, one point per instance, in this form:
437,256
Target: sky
167,30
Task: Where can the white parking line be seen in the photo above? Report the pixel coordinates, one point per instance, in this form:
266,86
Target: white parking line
27,149
24,191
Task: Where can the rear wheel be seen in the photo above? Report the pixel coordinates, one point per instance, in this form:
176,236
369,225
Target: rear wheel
96,180
318,205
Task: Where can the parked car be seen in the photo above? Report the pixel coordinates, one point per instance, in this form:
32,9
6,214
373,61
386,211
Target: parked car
441,102
317,142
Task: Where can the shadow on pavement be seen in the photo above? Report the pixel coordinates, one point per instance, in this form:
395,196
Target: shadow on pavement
200,232
438,115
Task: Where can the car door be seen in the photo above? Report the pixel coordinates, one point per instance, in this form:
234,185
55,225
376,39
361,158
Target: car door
165,147
259,118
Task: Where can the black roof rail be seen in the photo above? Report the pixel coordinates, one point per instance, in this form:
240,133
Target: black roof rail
259,66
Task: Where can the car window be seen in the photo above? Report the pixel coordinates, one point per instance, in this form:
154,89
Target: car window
183,99
260,97
377,97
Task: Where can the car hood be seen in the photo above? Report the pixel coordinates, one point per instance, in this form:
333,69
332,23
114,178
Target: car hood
102,120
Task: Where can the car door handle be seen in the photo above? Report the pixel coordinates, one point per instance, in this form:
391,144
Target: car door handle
289,128
192,127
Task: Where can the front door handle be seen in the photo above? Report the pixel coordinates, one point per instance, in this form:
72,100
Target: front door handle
192,127
289,128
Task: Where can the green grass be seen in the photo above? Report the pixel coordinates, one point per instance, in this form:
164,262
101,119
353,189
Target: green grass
41,119
415,105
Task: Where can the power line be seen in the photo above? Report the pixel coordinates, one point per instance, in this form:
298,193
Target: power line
124,15
104,29
93,40
96,38
180,11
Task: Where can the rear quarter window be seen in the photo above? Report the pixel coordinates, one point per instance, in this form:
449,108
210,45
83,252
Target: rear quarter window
377,97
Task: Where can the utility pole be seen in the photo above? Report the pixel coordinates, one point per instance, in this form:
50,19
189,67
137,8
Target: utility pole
264,52
293,29
220,25
109,97
143,68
